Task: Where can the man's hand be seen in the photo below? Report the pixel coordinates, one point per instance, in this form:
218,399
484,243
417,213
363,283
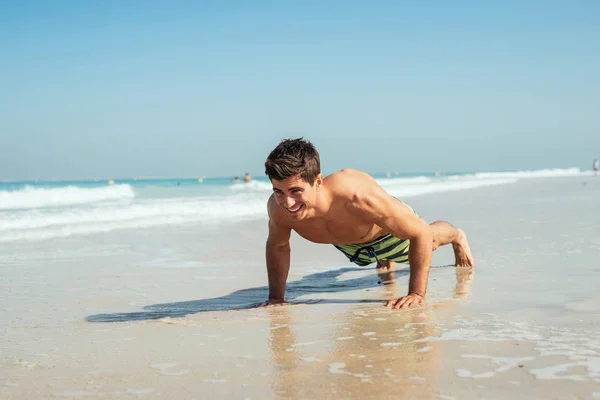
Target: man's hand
272,302
411,299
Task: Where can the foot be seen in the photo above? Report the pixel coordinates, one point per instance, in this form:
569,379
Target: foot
386,272
462,251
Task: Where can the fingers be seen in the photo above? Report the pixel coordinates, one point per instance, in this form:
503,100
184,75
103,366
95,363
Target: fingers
405,302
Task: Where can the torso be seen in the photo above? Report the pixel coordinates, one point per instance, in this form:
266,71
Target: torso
339,226
347,232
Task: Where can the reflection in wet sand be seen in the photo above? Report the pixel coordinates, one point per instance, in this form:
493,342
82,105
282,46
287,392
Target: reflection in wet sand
361,352
464,280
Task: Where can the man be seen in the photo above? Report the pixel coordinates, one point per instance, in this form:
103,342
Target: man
351,211
596,166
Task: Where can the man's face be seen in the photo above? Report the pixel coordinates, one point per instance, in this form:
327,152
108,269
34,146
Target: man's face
296,196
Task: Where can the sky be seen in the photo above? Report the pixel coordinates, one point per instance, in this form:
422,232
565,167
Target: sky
209,88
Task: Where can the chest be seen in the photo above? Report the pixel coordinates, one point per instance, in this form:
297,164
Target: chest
339,231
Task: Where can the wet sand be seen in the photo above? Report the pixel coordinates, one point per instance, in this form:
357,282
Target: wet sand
166,312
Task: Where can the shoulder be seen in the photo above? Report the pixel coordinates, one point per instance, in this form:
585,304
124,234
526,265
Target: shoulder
357,190
349,174
275,212
350,183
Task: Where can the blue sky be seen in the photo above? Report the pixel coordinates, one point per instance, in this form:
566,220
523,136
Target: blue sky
190,88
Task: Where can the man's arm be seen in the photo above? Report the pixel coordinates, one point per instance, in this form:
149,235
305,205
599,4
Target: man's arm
375,205
277,254
278,261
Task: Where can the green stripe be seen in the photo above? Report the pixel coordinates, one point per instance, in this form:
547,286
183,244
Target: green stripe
397,254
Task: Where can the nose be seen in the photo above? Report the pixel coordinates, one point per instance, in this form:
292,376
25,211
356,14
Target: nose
289,202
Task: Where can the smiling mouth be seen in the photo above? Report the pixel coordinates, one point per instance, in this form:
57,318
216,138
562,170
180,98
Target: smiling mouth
296,209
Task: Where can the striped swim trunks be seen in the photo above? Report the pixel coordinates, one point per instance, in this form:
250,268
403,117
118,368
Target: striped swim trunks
386,247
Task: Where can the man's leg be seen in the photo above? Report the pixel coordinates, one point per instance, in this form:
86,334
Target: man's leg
444,233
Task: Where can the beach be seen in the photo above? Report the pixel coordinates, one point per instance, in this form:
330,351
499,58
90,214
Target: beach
153,311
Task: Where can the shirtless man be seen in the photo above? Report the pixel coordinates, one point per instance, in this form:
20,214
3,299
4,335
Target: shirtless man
351,211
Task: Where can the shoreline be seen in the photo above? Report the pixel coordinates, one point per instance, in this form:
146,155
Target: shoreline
523,325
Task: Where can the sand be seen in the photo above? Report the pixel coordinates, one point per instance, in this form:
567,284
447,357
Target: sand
164,312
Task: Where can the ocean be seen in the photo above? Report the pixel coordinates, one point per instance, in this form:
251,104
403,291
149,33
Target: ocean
36,210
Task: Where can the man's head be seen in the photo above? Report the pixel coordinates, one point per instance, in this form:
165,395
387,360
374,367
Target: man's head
293,157
294,169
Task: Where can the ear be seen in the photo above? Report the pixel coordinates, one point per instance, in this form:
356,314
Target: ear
319,181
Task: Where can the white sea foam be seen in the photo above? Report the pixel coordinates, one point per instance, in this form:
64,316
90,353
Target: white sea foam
35,213
541,173
43,223
403,190
31,197
252,186
404,181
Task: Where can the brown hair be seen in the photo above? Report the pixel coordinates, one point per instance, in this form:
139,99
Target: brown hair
293,157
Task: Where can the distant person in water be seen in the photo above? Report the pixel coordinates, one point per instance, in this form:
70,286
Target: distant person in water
236,179
596,166
247,177
351,211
